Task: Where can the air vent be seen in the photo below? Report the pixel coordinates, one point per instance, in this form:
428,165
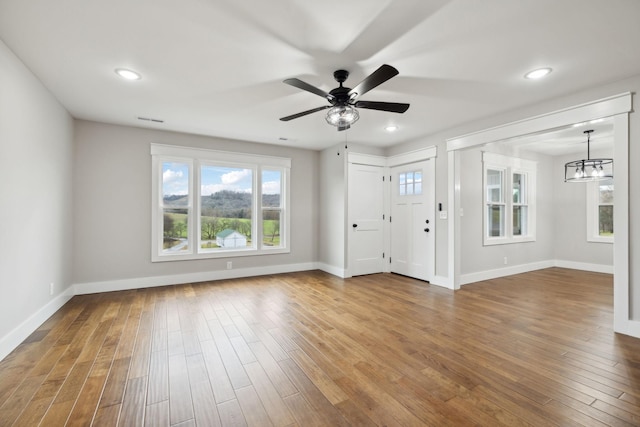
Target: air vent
147,119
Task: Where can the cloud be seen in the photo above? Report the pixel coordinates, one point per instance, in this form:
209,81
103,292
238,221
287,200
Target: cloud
171,175
235,176
271,187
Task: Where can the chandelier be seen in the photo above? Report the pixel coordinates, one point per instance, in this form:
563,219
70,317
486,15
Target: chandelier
342,116
588,169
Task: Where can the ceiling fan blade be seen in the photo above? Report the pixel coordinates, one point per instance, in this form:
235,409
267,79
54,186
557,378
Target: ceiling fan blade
394,107
309,88
304,113
379,76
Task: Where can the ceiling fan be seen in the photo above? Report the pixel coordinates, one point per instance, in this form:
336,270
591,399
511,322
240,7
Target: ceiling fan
343,101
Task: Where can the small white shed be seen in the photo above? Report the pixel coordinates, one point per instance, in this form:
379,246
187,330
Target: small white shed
231,239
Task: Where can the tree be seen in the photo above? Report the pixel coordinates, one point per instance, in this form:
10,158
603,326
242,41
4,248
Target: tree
169,226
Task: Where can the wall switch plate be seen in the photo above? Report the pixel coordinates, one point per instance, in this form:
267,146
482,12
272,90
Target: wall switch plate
229,265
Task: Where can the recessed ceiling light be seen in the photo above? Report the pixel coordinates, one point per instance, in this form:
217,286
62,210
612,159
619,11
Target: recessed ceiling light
128,74
537,74
391,128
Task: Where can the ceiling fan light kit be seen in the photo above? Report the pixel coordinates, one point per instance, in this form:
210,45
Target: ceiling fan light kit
588,169
343,101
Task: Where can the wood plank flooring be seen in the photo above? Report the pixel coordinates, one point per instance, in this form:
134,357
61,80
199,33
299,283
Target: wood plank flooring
310,349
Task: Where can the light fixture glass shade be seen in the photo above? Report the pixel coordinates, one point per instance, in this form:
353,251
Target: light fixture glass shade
588,169
342,116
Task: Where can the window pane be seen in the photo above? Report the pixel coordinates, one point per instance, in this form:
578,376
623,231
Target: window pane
605,220
175,230
271,188
271,229
495,221
418,188
175,202
518,188
494,185
403,189
519,220
226,205
606,193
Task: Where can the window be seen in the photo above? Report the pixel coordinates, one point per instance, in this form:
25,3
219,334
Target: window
509,199
209,204
600,211
410,183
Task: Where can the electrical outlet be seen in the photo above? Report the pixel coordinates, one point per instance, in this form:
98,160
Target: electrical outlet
51,288
506,261
229,265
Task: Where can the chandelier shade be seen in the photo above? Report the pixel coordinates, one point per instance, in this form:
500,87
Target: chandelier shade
342,116
588,169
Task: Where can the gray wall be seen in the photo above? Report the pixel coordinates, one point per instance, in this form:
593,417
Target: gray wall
36,219
112,188
475,256
571,219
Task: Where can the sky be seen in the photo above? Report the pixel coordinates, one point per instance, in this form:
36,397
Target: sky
175,179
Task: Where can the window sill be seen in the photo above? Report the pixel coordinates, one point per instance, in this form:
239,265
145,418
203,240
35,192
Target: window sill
220,254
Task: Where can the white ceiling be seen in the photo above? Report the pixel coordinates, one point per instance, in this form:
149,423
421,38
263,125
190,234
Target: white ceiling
215,67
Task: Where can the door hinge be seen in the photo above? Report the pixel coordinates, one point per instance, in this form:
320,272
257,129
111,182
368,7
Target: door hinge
383,217
389,260
389,218
389,178
382,255
382,178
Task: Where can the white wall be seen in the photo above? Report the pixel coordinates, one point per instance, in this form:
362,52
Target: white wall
112,245
36,138
333,193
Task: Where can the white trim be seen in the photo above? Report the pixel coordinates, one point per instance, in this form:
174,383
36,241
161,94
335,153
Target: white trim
479,276
217,156
597,109
595,268
413,156
441,281
336,271
13,339
366,159
177,279
621,281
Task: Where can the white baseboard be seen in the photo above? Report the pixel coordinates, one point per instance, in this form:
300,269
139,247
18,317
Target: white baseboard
479,276
176,279
596,268
336,271
442,281
12,340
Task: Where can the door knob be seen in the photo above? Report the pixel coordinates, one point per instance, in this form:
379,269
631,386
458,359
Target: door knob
426,229
354,225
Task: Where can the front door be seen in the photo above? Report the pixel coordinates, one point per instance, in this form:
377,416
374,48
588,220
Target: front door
412,220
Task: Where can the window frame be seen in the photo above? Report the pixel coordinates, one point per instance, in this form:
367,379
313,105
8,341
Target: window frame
593,211
196,158
510,166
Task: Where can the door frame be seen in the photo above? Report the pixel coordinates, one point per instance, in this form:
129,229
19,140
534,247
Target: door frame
616,106
387,163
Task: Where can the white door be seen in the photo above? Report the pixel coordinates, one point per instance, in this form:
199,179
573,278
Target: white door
413,220
365,226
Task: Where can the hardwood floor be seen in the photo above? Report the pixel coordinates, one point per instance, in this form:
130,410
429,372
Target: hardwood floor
310,349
